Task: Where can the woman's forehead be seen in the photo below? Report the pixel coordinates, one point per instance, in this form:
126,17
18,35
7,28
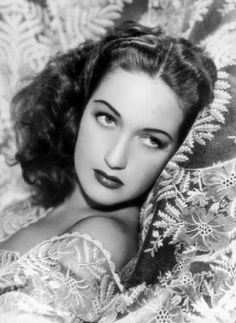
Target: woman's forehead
140,99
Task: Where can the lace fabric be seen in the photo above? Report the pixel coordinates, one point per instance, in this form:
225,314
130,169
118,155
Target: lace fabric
18,216
199,286
70,277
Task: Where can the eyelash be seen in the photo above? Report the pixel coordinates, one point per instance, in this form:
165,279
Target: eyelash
97,114
160,144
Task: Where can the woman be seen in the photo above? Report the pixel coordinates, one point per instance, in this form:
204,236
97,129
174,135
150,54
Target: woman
94,130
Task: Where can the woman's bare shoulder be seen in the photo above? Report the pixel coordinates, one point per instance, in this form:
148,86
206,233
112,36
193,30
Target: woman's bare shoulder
113,234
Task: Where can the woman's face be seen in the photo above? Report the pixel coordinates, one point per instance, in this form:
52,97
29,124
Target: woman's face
128,132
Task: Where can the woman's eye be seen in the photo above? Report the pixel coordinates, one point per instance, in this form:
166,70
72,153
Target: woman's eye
152,143
105,119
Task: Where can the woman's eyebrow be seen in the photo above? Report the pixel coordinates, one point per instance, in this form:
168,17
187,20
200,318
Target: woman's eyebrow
145,129
158,131
109,106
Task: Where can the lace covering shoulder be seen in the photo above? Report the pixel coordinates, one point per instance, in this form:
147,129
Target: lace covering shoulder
70,278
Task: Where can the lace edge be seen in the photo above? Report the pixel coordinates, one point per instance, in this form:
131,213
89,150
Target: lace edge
89,238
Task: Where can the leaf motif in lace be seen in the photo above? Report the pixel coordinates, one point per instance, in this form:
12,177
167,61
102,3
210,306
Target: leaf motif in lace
71,275
7,257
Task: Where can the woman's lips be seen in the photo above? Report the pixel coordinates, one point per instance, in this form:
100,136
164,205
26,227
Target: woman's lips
106,180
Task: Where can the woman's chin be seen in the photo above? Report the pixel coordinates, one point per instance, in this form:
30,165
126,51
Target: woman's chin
103,200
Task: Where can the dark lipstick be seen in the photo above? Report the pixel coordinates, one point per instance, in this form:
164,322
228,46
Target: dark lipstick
106,180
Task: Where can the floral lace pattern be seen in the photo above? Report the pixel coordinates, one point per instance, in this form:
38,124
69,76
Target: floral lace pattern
220,182
190,214
70,277
201,232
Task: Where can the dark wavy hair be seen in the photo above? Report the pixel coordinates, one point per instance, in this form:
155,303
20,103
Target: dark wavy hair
47,112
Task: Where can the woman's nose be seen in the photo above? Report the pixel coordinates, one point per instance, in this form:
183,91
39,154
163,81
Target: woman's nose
116,156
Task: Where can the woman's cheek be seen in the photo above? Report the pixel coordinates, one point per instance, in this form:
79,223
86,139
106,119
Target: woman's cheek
145,175
149,170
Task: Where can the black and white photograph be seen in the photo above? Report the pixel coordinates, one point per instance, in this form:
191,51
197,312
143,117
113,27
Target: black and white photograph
118,161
